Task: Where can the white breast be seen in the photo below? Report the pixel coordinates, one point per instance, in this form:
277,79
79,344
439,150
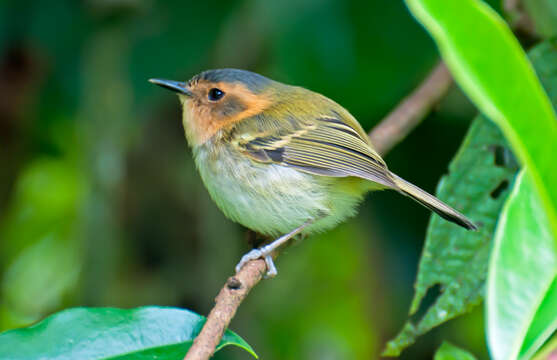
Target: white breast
267,198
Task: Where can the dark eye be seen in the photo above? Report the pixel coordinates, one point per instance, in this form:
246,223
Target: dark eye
215,94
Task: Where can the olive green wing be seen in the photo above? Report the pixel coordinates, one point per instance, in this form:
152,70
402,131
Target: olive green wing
325,146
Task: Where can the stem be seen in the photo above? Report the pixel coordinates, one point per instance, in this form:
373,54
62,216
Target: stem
411,110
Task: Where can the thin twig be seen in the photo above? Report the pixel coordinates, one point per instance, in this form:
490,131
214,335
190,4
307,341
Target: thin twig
411,110
390,131
227,302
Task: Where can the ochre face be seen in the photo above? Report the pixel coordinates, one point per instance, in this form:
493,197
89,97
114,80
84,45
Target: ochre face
217,105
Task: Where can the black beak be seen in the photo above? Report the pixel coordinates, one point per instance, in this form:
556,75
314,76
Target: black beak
179,87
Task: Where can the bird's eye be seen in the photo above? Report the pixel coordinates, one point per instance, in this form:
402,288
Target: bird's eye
215,94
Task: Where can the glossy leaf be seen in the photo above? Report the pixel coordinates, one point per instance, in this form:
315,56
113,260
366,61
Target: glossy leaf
110,333
479,179
489,64
483,55
543,325
522,269
544,57
448,351
458,260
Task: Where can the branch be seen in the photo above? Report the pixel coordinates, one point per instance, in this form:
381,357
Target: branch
411,110
390,131
227,302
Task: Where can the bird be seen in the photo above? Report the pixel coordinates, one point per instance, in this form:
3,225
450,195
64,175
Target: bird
283,160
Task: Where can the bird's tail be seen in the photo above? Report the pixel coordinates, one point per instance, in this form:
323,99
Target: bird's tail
432,203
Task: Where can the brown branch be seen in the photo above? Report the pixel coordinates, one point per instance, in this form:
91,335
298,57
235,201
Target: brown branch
411,110
390,131
227,302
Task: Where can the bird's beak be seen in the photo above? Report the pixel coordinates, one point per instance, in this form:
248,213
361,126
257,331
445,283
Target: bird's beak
179,87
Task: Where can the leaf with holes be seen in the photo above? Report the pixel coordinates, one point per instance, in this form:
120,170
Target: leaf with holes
108,333
478,183
479,180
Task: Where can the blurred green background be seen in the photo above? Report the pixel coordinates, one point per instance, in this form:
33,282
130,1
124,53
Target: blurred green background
100,202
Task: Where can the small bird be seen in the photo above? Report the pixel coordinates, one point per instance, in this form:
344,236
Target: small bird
282,160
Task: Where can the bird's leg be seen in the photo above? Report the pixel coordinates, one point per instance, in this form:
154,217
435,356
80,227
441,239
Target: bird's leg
266,251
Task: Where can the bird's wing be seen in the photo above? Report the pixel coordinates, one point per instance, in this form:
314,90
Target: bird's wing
324,145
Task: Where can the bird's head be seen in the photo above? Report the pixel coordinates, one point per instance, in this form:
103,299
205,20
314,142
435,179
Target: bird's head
216,99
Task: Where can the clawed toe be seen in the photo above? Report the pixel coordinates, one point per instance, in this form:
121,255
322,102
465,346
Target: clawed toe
252,255
266,251
259,254
271,268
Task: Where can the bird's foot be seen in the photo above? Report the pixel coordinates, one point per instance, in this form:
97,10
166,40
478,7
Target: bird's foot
266,251
255,254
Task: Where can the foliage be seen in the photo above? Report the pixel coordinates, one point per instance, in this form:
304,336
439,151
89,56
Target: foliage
524,258
481,52
100,204
478,183
109,333
479,179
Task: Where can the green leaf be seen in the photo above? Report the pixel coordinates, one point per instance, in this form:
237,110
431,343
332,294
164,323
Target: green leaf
489,64
491,67
455,259
543,325
527,261
522,269
448,351
479,178
109,333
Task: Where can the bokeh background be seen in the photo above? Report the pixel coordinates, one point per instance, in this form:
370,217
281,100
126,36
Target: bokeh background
100,202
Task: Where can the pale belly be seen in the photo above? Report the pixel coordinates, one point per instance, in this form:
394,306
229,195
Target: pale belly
273,199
